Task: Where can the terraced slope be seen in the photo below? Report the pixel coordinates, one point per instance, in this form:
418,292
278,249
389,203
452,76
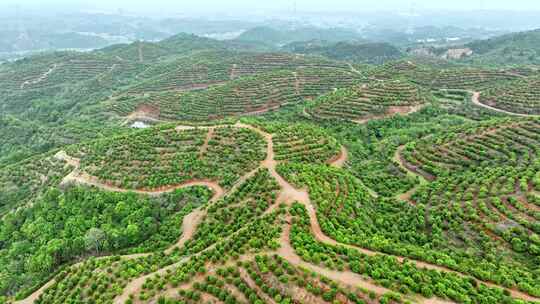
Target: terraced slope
491,208
304,143
202,69
464,79
161,158
61,69
365,102
462,103
243,96
490,144
520,96
26,180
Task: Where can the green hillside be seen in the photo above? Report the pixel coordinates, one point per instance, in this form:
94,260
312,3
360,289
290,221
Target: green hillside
192,170
515,48
268,35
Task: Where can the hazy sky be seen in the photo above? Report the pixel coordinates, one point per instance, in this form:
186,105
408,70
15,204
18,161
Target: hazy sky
260,5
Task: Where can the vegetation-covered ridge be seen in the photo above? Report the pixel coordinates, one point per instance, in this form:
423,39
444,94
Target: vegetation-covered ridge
193,170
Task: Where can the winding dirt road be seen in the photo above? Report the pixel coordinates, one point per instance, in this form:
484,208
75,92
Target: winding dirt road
406,196
140,51
340,160
353,69
40,78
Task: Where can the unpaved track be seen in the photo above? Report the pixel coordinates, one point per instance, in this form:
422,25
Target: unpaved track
399,160
404,111
35,295
341,158
40,78
406,196
353,69
206,141
189,226
232,73
321,237
141,56
346,278
191,221
289,194
305,113
340,161
135,285
476,100
296,83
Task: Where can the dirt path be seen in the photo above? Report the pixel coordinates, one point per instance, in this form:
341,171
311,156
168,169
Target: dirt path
390,112
135,285
289,194
296,83
189,227
81,178
353,69
305,113
406,196
141,56
35,295
40,78
476,100
204,147
346,278
232,74
341,158
400,161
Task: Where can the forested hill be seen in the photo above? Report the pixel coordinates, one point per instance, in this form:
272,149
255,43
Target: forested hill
515,48
274,36
374,53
